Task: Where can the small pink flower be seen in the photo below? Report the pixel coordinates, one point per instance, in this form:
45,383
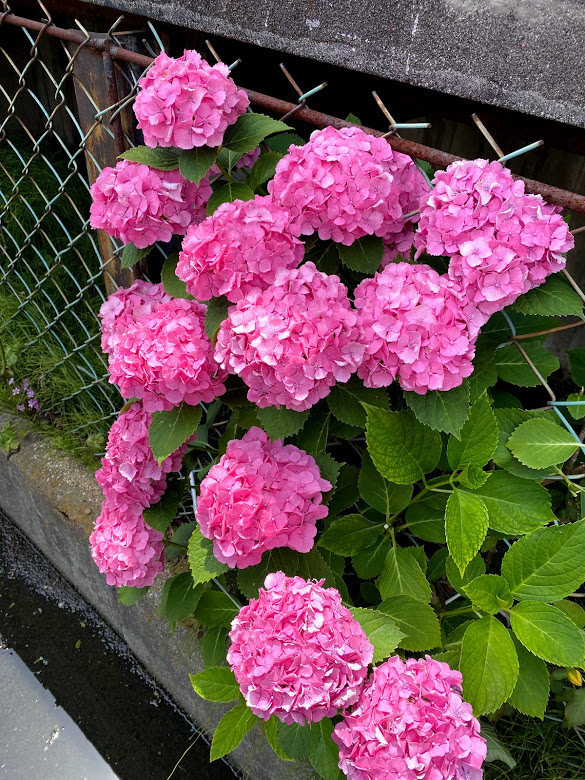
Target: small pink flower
141,205
186,102
413,326
260,495
239,248
292,341
345,184
411,723
297,652
166,358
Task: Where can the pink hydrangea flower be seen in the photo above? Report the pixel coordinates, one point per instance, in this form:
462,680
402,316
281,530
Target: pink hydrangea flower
166,358
291,342
140,205
261,495
413,326
345,184
297,652
411,724
123,546
186,102
127,306
239,248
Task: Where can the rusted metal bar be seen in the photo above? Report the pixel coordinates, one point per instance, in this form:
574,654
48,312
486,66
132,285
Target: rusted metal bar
564,198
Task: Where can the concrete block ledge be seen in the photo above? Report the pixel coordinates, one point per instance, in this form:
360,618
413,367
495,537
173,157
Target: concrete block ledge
54,500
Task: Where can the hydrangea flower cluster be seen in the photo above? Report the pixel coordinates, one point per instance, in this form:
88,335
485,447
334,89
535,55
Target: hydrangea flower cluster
126,307
261,495
166,358
123,546
413,327
297,652
411,724
141,205
239,248
502,242
186,102
291,342
345,184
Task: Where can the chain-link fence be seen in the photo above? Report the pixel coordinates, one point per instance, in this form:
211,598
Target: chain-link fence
65,113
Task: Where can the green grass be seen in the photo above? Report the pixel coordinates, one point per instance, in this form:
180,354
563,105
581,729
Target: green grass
48,328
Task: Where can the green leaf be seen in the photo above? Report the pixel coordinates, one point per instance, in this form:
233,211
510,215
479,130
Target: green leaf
181,536
171,282
548,633
204,565
548,564
489,665
179,598
554,298
508,421
402,575
215,314
128,595
473,477
132,254
227,194
484,374
512,367
530,695
280,423
313,567
264,169
215,609
437,565
313,436
496,750
369,563
324,756
169,430
228,159
324,255
271,734
479,437
345,401
364,255
426,518
346,491
217,683
213,646
350,534
576,412
252,578
573,611
418,622
575,709
490,593
577,365
195,163
466,524
442,411
380,629
380,494
161,515
475,568
403,450
353,119
515,506
297,741
540,443
250,130
161,158
234,725
329,469
282,142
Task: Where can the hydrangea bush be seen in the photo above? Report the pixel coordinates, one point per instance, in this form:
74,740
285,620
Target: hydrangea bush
393,541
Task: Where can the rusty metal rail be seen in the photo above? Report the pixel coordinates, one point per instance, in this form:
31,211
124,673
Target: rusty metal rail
564,198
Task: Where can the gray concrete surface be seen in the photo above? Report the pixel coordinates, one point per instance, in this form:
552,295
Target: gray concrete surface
54,500
525,55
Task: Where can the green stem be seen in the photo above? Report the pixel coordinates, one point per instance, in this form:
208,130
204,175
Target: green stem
167,543
224,171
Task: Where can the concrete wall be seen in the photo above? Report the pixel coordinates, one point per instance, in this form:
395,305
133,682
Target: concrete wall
54,500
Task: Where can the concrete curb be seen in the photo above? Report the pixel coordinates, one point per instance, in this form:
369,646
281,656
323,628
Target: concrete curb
54,500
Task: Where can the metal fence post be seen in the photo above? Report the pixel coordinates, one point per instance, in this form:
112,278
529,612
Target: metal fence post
95,90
